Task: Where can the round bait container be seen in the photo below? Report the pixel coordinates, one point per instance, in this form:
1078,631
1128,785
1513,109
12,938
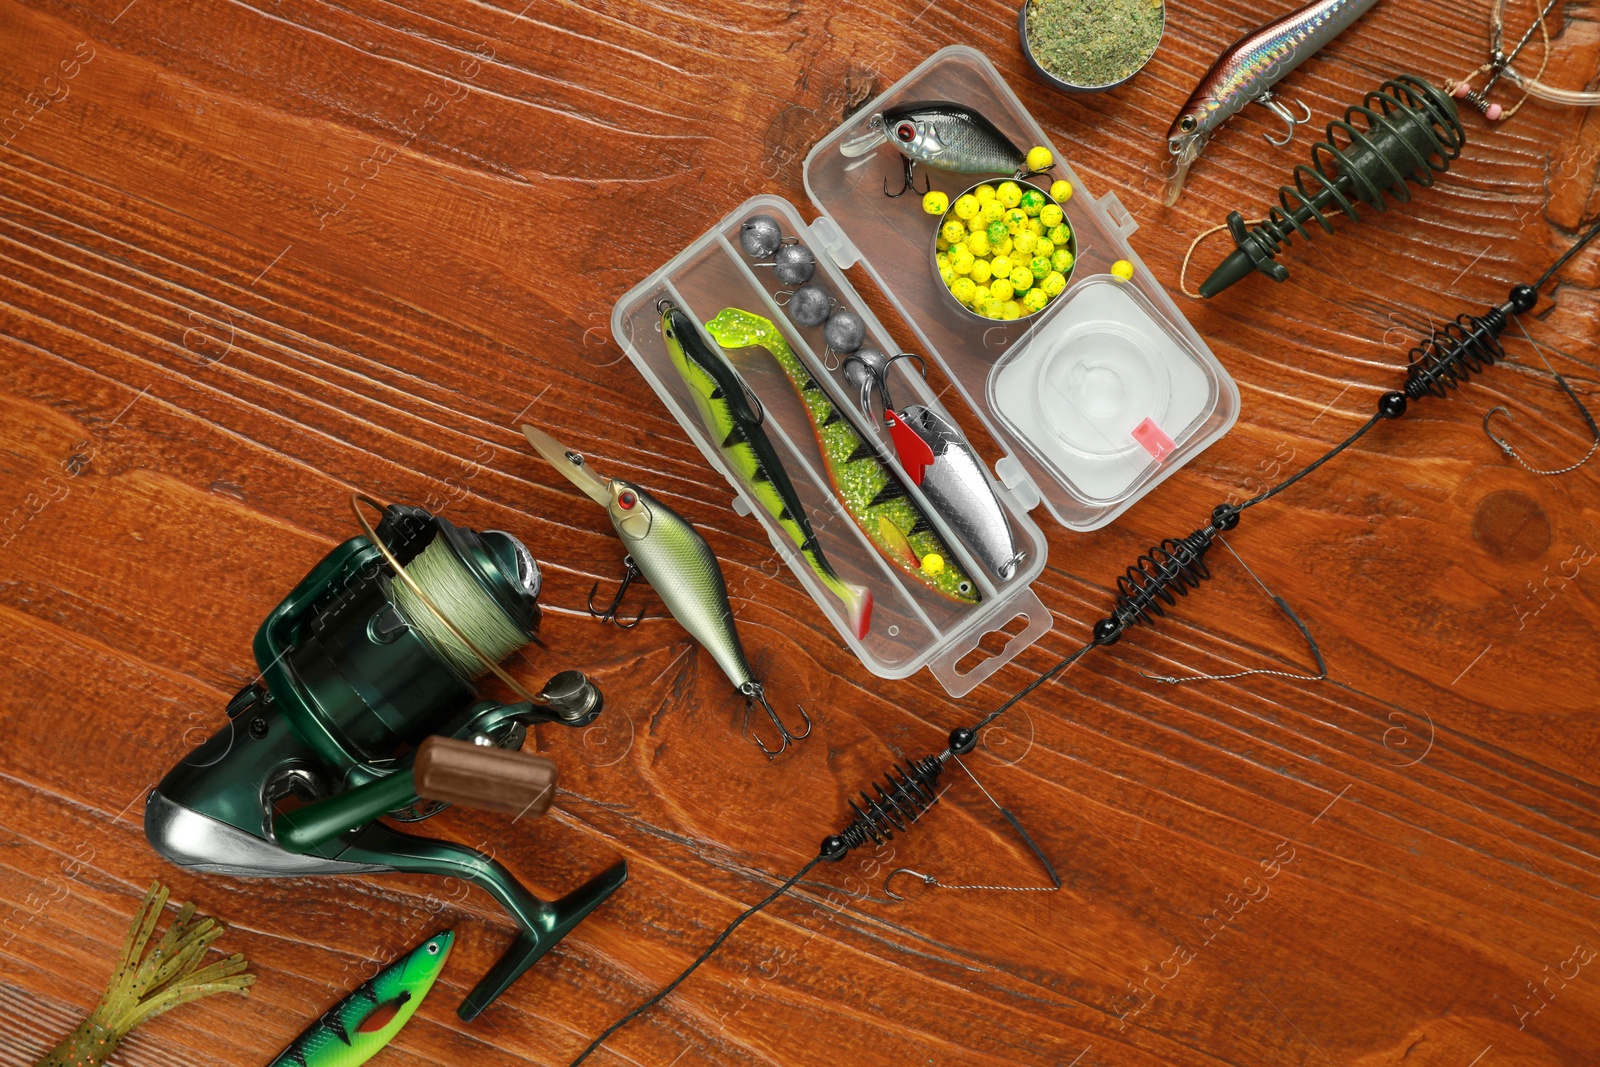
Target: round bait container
950,213
1065,86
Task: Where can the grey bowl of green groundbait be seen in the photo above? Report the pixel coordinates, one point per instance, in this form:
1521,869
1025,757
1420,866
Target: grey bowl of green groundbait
1089,46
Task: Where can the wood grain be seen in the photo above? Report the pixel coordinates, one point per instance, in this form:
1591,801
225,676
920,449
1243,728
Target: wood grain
254,255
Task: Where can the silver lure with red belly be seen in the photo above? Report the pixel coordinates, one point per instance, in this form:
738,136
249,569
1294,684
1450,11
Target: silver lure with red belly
1246,72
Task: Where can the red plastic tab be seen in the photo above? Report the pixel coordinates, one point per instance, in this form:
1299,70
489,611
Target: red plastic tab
1154,439
915,455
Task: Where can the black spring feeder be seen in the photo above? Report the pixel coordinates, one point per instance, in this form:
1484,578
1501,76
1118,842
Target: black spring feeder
1411,132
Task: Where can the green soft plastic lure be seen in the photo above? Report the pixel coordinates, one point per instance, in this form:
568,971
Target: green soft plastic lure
726,409
872,493
360,1025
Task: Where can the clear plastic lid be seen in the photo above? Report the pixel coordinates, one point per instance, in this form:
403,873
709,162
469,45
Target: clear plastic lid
1097,398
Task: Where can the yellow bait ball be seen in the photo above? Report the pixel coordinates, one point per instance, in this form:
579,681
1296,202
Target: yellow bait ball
1032,202
962,289
1044,247
932,564
1001,266
1015,219
1035,300
1061,191
961,260
966,206
1022,279
1061,260
1040,159
1039,266
1023,242
996,232
1004,247
993,309
1035,227
941,244
1060,234
991,211
1011,310
1000,289
1123,269
948,273
1051,215
978,244
1053,283
1009,194
980,272
936,203
953,231
984,193
980,297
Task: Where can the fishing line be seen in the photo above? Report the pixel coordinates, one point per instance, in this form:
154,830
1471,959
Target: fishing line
453,589
1172,569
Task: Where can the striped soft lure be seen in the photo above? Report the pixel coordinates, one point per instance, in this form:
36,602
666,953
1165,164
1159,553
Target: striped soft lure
734,422
360,1025
1246,73
871,492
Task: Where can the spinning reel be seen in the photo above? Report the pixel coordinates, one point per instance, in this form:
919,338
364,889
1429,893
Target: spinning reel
366,707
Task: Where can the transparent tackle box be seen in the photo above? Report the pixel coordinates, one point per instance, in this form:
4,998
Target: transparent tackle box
1070,394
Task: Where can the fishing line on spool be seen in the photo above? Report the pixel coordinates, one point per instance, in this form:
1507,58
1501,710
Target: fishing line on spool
1165,572
446,581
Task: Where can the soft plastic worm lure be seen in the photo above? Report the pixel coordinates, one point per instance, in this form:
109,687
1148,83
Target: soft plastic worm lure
1170,570
731,417
359,1026
1247,71
873,494
146,984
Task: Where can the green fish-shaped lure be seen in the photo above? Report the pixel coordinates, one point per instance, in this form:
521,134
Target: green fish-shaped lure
728,415
872,493
359,1026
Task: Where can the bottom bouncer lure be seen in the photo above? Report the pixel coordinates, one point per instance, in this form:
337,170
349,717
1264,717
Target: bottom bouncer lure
672,556
358,1027
734,421
871,492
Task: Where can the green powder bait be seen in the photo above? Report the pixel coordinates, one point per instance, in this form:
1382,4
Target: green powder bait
1094,42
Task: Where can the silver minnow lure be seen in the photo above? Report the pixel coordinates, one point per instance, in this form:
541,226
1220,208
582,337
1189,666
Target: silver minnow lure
942,135
678,564
1246,72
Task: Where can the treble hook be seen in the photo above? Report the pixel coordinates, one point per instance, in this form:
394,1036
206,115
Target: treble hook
1274,105
753,692
609,614
927,879
910,182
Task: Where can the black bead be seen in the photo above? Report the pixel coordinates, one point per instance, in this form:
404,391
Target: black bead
963,740
1106,631
1392,405
1224,516
258,727
1523,297
833,847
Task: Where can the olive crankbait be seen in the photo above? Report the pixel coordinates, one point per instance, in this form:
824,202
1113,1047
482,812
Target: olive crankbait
871,492
676,561
358,1027
942,135
1246,72
734,422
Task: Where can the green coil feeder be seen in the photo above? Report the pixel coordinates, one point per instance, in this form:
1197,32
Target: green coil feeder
366,708
1408,132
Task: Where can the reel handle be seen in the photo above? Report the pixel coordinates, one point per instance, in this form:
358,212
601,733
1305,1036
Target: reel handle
484,778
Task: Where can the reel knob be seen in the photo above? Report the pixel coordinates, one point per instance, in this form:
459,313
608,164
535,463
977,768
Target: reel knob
572,698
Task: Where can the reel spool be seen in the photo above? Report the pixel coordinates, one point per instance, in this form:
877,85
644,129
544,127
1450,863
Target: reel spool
368,682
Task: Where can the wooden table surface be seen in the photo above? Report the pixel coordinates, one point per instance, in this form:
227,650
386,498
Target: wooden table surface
257,255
